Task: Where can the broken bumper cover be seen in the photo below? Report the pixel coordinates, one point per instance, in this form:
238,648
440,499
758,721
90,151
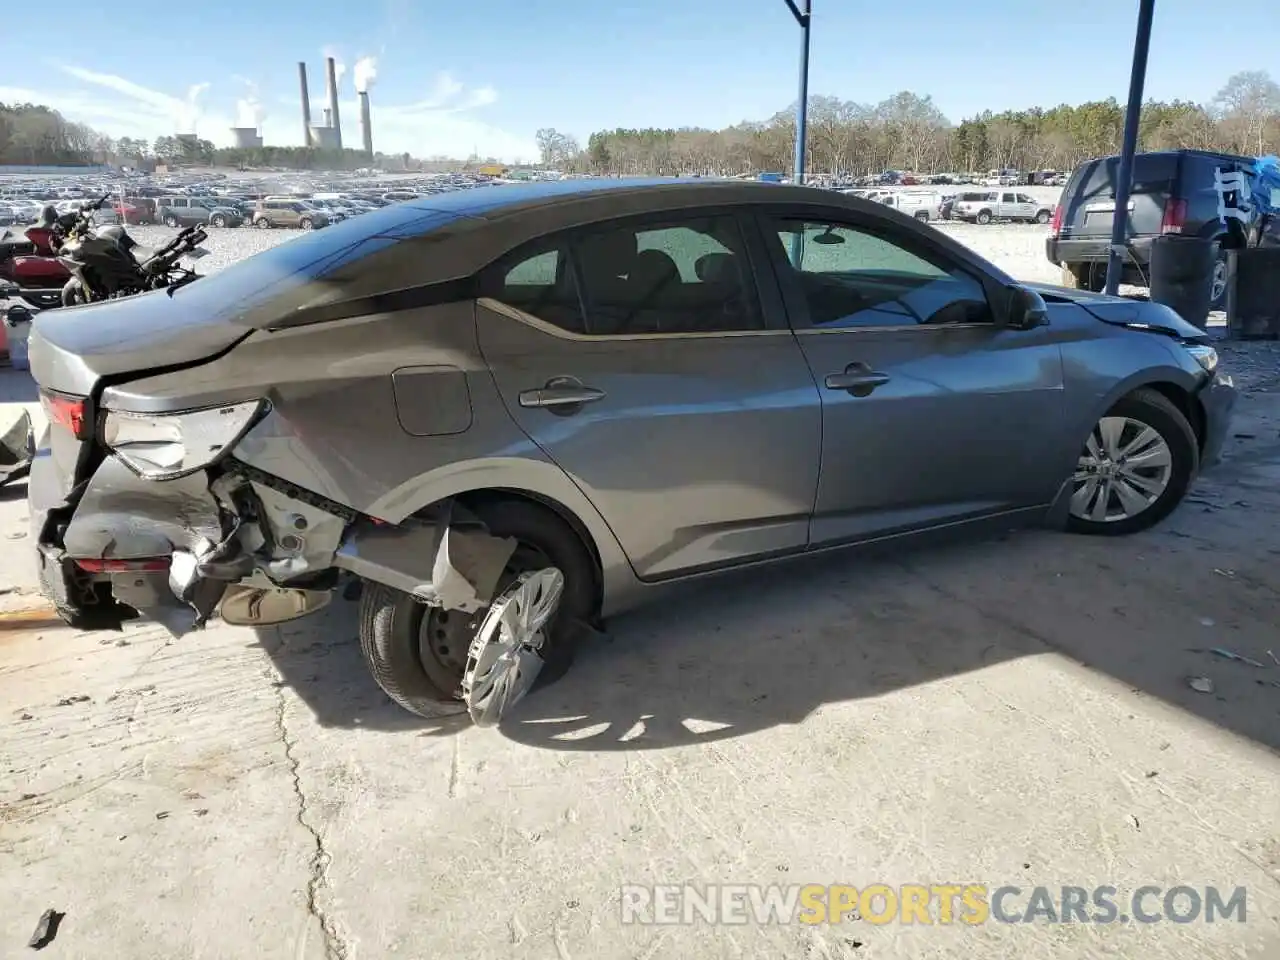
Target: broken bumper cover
17,449
172,550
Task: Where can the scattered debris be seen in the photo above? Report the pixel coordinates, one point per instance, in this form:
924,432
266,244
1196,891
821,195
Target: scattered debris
68,701
1206,621
1152,773
1224,573
192,795
1136,824
25,716
46,929
28,796
20,535
162,815
1200,684
1246,436
1232,655
202,812
1274,658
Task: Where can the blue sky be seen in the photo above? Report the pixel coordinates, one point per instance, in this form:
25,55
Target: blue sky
452,77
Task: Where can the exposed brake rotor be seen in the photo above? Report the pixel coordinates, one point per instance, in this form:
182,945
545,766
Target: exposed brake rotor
505,655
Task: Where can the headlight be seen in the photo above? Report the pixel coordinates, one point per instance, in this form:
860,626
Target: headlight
169,445
1204,355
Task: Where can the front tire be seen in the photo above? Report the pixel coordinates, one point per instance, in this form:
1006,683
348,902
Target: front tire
171,222
1043,217
984,217
262,223
306,224
1135,467
219,221
74,293
417,654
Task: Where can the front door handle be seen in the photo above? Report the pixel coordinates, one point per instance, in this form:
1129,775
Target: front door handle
857,379
562,394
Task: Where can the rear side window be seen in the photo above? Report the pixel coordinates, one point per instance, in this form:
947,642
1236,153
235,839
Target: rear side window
538,281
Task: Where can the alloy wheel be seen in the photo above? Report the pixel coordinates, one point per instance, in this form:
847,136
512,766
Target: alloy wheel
1218,285
1125,467
504,658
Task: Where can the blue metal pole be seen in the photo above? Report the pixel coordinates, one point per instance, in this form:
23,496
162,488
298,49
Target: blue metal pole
803,18
1124,176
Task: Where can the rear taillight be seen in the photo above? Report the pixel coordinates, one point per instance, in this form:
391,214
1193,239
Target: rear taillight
115,565
66,412
1055,225
1175,216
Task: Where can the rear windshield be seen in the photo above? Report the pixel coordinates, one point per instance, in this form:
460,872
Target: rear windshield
1152,173
236,290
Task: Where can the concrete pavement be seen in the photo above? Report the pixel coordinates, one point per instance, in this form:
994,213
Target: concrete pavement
1012,712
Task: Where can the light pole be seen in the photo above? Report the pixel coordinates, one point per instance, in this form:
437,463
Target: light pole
802,106
1124,175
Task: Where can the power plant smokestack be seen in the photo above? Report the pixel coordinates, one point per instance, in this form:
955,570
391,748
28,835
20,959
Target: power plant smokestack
332,72
306,104
365,129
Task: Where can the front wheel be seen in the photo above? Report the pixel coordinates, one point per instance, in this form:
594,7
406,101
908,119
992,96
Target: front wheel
1135,467
419,655
984,217
306,224
171,222
1043,217
74,293
219,221
262,223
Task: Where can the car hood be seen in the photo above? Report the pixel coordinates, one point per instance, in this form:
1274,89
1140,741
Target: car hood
1124,312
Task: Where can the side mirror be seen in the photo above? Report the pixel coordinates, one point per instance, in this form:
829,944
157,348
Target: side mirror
1025,309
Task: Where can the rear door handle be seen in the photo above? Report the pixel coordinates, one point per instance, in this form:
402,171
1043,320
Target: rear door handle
559,394
859,381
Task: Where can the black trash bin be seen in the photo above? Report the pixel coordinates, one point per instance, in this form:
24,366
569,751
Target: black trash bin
1253,293
1182,275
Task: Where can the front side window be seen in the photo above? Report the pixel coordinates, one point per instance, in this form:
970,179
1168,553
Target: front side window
678,277
852,277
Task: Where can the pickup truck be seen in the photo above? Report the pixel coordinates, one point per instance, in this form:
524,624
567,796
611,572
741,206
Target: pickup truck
988,205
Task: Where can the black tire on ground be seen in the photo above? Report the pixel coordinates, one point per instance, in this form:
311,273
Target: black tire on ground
171,222
984,217
392,622
1219,276
1043,217
1156,411
262,223
73,293
922,216
306,224
219,221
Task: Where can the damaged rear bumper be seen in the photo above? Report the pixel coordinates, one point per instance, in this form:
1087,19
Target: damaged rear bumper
238,542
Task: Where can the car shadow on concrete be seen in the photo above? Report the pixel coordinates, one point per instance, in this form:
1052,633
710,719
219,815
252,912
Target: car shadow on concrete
766,648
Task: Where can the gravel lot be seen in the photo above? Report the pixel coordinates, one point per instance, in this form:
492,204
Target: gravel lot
1013,712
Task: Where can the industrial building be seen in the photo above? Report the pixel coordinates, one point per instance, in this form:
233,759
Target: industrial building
328,135
246,138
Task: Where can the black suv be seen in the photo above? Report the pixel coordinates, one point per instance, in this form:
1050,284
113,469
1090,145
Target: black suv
1174,191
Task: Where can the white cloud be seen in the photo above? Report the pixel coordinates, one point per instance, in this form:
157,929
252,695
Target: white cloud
440,122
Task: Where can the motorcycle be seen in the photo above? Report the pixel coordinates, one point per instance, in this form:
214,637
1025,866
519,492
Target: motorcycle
107,263
29,260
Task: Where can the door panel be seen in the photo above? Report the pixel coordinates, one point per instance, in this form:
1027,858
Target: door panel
700,450
930,412
966,422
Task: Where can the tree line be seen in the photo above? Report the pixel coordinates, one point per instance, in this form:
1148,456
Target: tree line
905,132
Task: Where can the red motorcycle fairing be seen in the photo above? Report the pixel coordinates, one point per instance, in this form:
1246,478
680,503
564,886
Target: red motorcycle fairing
42,238
37,272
